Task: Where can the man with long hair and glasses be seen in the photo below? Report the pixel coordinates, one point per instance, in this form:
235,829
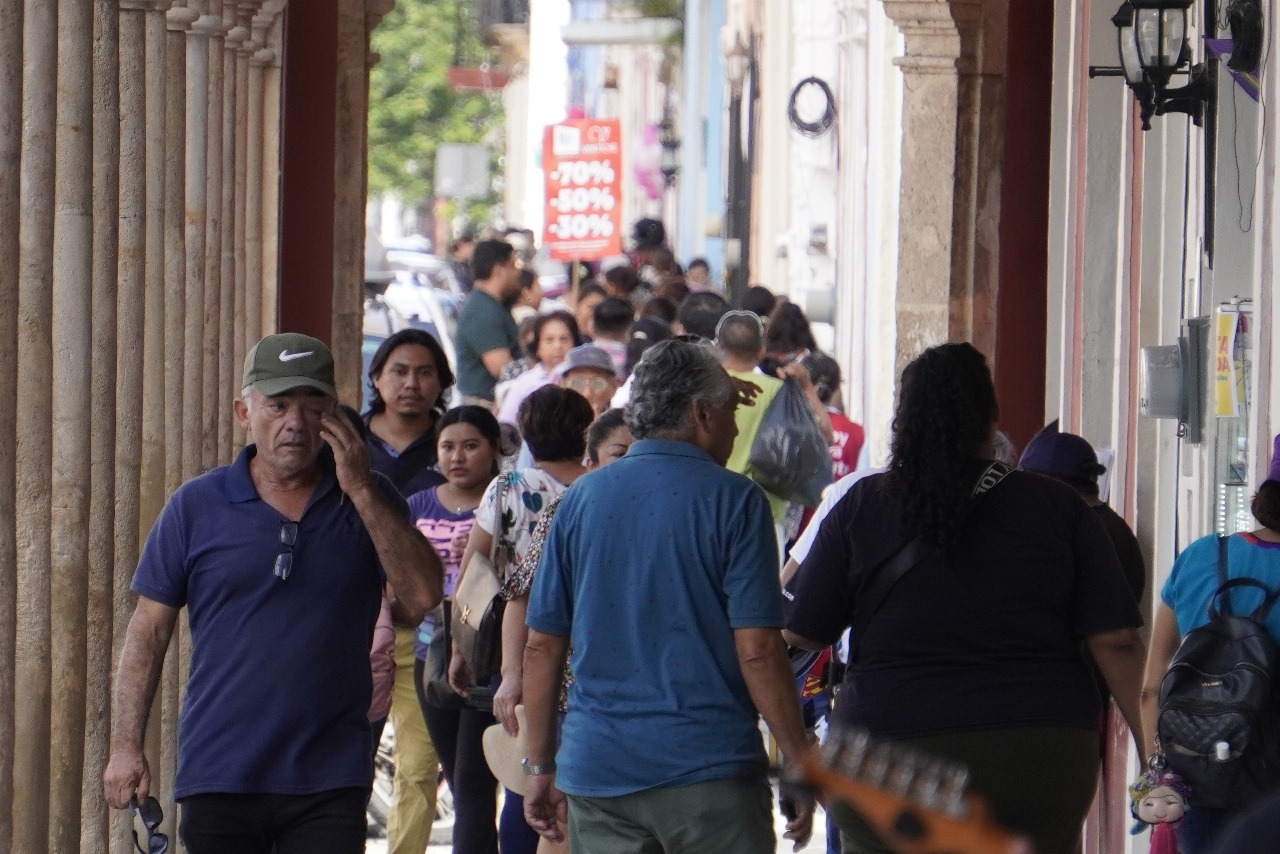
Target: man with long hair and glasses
280,559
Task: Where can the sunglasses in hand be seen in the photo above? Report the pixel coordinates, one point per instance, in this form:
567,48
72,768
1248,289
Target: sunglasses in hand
148,809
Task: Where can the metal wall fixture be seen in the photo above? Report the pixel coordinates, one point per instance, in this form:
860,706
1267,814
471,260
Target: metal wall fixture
1153,46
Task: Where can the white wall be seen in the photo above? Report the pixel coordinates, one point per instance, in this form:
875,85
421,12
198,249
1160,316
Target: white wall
546,97
865,243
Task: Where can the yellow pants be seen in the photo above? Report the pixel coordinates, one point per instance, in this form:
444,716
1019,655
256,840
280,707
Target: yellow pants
413,805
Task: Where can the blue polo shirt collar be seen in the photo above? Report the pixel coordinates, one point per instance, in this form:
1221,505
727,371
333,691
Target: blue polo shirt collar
668,447
239,483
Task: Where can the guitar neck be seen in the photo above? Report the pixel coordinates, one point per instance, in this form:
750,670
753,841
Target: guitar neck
918,805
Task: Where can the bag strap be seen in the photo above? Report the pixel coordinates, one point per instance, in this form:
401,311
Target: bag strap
1223,575
907,558
500,528
886,575
1226,585
990,478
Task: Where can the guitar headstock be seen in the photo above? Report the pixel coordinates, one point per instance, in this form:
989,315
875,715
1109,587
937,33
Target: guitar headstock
928,781
917,803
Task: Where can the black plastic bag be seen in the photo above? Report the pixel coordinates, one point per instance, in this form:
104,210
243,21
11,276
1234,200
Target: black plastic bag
789,456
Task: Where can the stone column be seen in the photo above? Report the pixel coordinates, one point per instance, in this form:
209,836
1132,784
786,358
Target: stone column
155,448
131,304
73,241
272,96
244,50
197,127
102,482
980,123
210,27
10,160
33,449
227,379
183,300
177,21
927,214
351,131
254,179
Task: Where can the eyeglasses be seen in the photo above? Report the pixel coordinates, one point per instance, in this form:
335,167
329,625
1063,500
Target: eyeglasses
151,814
596,384
284,560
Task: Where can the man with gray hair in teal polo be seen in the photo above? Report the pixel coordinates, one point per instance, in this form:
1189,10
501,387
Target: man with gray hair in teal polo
660,570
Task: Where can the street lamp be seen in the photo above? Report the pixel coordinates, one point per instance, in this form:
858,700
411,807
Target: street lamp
1152,43
738,67
1160,37
670,150
737,62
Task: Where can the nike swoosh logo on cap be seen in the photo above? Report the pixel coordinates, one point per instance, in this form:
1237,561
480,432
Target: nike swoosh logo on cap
286,356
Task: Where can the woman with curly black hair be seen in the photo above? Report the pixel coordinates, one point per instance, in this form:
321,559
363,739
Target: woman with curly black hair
967,588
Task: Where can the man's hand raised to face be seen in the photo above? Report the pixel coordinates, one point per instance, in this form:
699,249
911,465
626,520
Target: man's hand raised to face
350,456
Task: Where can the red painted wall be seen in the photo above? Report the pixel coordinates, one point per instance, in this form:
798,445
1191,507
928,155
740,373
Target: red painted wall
309,126
1024,223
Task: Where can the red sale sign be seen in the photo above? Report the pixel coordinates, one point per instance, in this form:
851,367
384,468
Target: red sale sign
582,159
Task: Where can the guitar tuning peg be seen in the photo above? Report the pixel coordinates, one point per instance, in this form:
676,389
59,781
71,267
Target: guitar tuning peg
905,771
879,760
833,752
956,781
854,752
930,782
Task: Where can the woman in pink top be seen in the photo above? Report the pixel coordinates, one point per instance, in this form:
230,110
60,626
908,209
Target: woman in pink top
468,453
554,335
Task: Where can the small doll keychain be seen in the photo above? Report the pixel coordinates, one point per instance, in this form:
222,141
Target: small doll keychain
1159,798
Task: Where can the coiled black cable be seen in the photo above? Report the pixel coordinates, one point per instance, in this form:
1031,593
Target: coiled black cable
825,122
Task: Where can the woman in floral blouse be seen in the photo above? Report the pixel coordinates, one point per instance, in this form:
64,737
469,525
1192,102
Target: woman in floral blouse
607,440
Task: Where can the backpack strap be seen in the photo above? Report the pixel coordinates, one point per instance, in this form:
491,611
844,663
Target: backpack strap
1259,614
1226,585
1223,575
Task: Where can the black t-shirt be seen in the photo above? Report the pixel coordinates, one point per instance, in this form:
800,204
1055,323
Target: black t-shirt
1127,549
412,470
986,636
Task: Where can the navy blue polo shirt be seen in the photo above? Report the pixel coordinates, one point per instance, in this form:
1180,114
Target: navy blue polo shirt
651,564
280,680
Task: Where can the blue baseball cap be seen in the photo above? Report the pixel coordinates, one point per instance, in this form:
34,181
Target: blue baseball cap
1062,455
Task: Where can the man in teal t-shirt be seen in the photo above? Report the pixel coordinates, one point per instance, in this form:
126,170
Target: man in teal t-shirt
487,337
661,571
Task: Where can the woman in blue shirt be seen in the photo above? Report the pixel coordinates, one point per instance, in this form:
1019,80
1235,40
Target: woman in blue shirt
1184,606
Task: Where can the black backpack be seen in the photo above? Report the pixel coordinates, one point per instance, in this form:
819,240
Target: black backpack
1219,718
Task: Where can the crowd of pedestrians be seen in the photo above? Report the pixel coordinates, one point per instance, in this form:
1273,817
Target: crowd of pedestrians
658,602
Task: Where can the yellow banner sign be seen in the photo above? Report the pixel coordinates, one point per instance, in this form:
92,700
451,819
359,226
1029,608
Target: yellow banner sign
1226,386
